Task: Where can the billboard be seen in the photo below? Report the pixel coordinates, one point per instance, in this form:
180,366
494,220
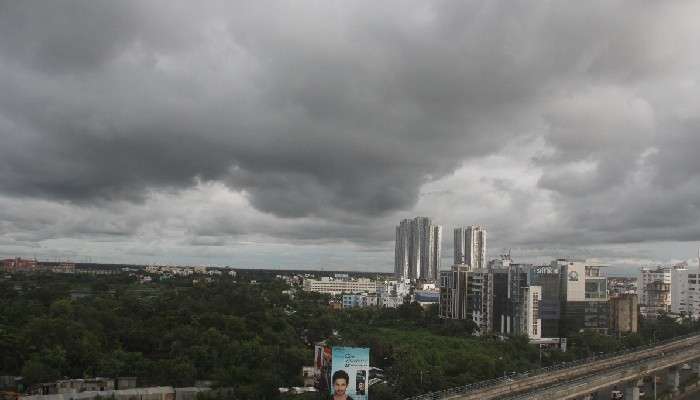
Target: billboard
575,281
350,372
322,367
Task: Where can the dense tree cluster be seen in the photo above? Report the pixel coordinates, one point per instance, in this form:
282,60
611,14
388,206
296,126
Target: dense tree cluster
237,334
252,337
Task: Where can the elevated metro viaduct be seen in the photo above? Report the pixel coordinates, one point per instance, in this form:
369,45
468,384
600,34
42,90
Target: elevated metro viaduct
575,380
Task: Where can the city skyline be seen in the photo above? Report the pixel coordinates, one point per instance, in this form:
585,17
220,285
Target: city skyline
295,134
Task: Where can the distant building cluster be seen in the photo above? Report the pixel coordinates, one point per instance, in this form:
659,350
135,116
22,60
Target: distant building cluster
18,265
418,249
507,298
187,270
671,290
23,265
361,292
117,389
144,274
389,294
546,301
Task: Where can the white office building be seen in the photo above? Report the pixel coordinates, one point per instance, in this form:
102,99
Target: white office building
335,287
379,299
690,293
663,290
530,312
399,288
359,300
693,297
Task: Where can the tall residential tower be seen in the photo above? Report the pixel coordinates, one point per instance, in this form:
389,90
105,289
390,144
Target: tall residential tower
418,249
470,246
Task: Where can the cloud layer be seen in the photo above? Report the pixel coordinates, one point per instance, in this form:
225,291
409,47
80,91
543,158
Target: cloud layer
318,125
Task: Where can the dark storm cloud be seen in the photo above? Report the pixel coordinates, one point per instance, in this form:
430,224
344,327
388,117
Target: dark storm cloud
335,114
312,114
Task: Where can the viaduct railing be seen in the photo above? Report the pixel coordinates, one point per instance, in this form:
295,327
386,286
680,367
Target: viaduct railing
577,386
533,379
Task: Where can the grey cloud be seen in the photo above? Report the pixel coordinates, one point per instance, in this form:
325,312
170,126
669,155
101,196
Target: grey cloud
678,158
349,114
63,36
329,118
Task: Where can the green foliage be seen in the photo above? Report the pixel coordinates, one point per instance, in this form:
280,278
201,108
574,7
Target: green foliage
170,334
383,391
252,337
35,371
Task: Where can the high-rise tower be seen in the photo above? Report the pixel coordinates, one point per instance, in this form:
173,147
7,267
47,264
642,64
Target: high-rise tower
418,249
470,246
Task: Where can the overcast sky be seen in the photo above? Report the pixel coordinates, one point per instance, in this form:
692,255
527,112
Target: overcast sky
299,133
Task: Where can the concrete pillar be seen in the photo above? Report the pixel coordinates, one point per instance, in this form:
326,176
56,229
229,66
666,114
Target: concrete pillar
631,391
674,379
695,365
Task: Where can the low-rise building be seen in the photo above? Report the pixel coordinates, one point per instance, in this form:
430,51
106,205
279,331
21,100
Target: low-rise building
18,265
189,393
335,287
426,297
308,374
390,301
621,285
63,268
67,386
149,393
400,288
362,300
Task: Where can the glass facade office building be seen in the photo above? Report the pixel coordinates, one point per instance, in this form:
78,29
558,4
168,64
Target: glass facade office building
547,277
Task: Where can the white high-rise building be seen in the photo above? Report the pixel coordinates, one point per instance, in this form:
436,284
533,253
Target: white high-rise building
663,289
418,249
693,293
530,320
693,298
470,246
679,290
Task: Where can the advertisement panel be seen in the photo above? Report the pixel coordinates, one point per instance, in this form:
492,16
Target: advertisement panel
350,374
322,368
